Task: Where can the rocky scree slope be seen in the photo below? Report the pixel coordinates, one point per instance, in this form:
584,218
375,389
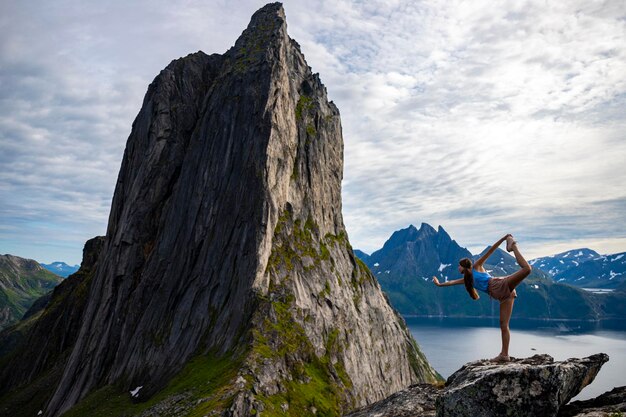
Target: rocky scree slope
226,245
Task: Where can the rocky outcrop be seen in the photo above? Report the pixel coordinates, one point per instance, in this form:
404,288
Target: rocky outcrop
226,245
415,401
609,404
536,386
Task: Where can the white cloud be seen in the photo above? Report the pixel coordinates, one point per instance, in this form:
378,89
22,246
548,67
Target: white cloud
483,119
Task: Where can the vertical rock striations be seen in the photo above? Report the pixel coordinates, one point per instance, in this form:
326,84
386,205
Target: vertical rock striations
226,238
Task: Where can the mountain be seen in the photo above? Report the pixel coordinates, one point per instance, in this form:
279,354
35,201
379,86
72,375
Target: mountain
563,261
362,255
607,271
422,253
22,281
410,258
502,263
585,268
61,268
226,283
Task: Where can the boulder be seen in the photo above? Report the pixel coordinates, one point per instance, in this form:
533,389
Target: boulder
535,386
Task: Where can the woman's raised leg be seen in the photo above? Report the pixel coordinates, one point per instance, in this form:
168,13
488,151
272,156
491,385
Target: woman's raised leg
514,279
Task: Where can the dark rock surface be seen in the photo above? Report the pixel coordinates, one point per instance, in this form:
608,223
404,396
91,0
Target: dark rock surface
535,386
34,350
416,401
609,404
226,238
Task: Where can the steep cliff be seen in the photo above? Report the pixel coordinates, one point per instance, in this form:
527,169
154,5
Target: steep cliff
226,252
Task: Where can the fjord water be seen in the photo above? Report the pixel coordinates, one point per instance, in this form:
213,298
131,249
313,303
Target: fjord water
451,342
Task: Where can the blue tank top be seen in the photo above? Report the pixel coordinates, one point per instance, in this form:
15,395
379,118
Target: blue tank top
481,280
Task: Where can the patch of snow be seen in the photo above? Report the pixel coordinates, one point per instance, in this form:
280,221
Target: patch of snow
387,271
617,257
443,266
580,253
376,264
575,263
378,272
542,265
535,286
566,255
562,279
560,260
578,279
135,392
614,274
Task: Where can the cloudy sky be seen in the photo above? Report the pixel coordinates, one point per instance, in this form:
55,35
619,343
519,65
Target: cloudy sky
482,117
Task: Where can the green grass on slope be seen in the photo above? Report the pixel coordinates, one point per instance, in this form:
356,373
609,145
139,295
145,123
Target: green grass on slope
204,382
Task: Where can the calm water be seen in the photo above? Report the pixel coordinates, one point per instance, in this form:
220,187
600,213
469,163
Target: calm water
449,343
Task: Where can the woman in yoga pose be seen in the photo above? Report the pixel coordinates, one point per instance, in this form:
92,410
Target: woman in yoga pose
502,289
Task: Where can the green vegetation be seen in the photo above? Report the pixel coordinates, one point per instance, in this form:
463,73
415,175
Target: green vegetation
205,383
22,285
305,103
312,384
317,384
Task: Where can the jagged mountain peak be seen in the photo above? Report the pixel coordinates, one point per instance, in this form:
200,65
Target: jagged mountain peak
226,237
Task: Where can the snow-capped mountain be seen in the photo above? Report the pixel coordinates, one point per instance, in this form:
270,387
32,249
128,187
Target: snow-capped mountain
563,261
607,271
61,268
585,268
501,263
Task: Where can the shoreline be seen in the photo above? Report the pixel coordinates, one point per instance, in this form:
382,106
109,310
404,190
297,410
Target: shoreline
418,316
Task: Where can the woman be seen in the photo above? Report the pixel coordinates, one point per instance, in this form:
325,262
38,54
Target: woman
502,289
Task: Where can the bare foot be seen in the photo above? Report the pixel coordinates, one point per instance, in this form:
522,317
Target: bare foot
510,242
501,358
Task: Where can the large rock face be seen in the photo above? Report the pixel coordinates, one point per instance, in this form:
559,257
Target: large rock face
535,386
226,238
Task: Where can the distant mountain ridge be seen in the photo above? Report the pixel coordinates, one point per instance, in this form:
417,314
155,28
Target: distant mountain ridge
61,268
585,268
22,281
410,258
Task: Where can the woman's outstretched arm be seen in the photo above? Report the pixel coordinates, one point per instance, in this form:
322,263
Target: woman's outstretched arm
448,283
490,252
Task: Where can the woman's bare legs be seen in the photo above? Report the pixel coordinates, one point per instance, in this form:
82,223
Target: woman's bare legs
506,308
514,279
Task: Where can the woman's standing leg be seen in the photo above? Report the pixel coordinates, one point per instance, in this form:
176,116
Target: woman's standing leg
506,308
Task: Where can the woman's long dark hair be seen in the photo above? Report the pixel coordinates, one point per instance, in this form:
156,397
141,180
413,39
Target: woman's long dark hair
468,277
